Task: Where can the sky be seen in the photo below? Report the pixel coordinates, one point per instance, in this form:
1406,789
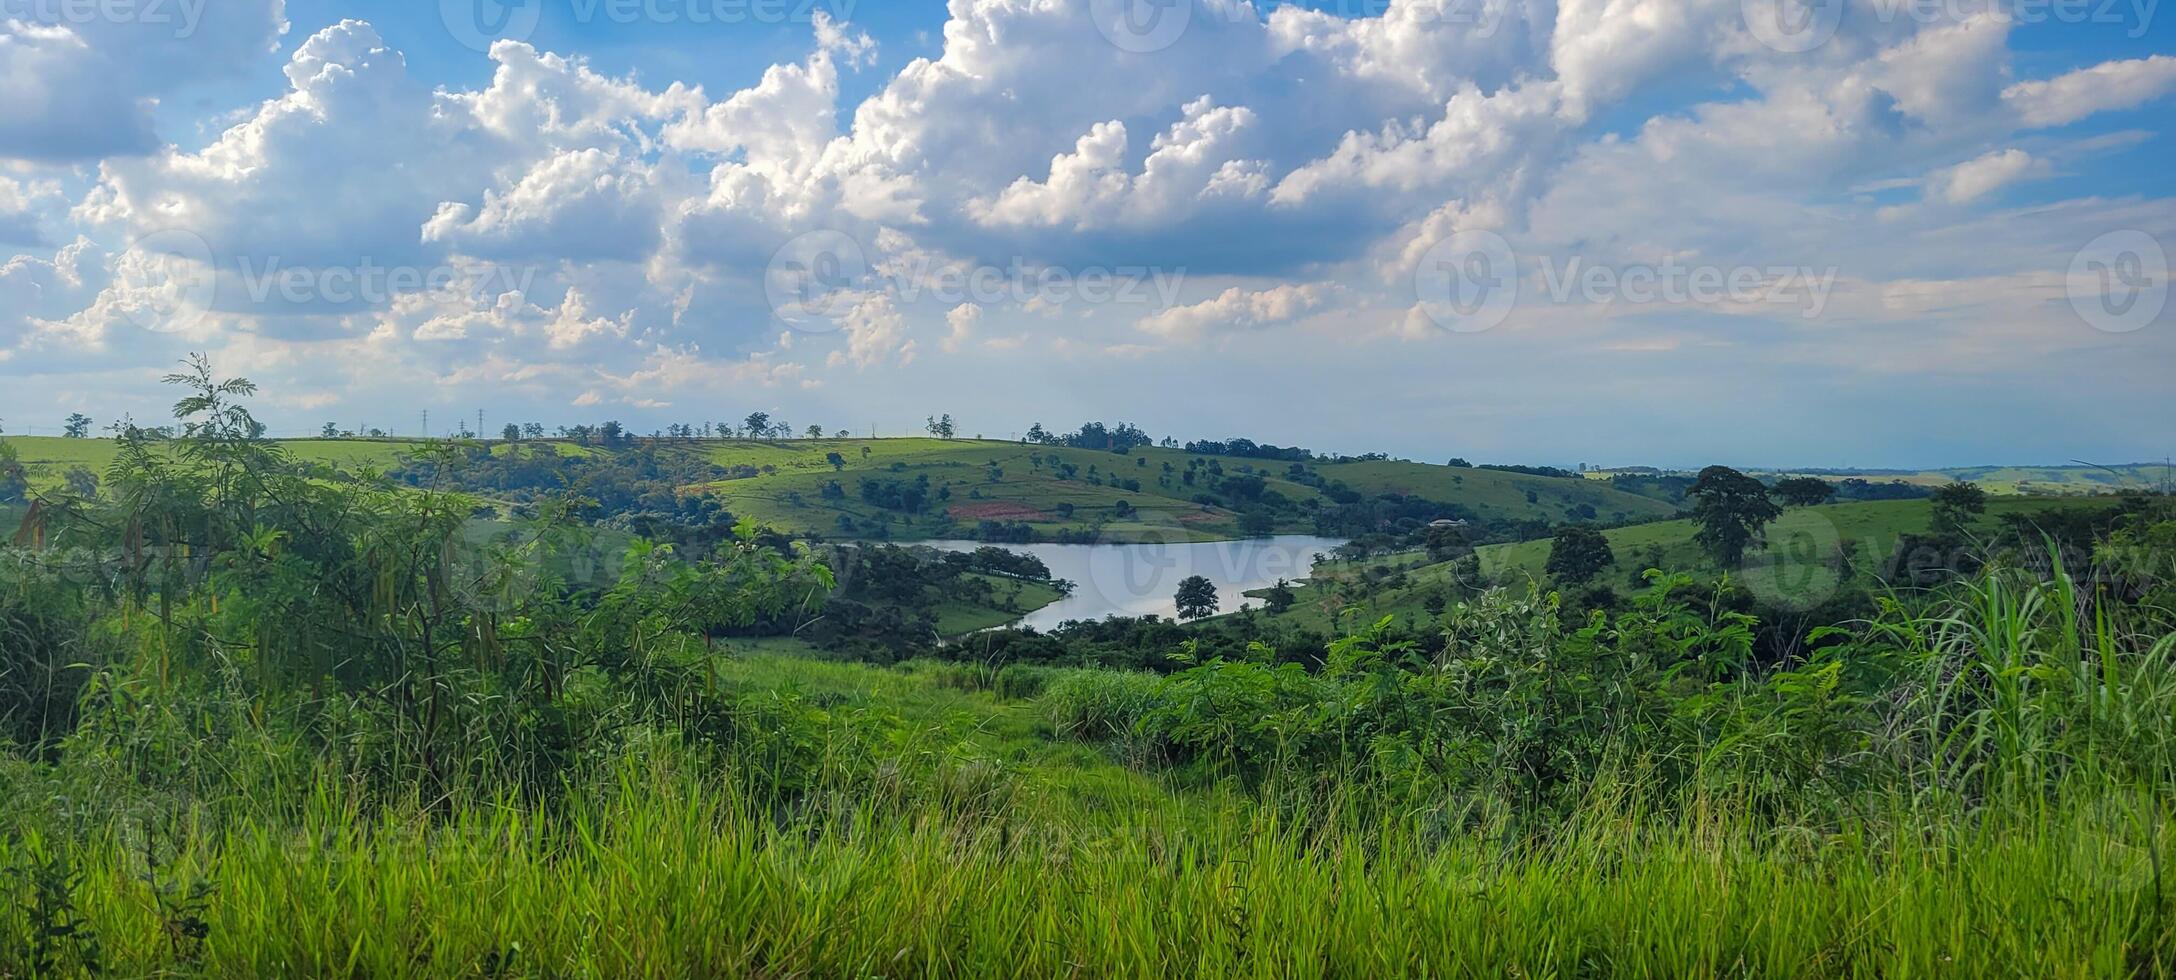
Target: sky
1877,233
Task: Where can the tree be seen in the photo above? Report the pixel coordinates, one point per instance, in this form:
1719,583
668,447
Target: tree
837,461
1955,505
78,427
82,481
1037,434
14,478
1196,598
1731,509
941,427
1803,491
757,424
330,431
1579,554
1280,597
532,430
815,432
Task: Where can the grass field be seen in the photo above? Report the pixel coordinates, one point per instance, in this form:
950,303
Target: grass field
1001,481
1797,566
989,480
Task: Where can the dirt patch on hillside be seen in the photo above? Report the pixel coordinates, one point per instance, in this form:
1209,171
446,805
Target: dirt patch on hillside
995,511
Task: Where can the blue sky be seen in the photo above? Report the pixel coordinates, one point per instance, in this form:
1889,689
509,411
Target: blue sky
1608,231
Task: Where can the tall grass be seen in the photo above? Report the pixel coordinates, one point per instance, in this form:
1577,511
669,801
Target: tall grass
660,872
290,735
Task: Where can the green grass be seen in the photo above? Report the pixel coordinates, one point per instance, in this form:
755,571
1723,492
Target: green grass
791,497
956,617
1797,567
668,878
1045,857
48,458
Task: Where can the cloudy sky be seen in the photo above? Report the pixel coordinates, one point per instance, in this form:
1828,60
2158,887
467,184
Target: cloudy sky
1855,232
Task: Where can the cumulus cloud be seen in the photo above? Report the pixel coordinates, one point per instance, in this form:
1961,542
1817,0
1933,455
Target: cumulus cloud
82,88
2109,85
608,238
1980,176
1239,309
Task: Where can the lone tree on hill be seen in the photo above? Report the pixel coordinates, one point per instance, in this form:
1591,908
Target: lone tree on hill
1803,491
1579,554
1955,505
1196,598
1731,509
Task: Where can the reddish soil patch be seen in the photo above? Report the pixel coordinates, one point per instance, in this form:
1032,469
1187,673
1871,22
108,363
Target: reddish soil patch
1199,517
995,512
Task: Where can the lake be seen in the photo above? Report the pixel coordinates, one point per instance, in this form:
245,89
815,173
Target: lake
1142,579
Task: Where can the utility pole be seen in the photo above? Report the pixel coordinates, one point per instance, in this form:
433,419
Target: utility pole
426,423
479,423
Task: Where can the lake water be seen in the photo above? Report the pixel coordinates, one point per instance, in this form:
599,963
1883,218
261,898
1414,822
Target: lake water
1143,579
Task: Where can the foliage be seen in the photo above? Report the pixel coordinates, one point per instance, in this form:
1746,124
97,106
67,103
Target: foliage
1731,509
1196,597
1578,554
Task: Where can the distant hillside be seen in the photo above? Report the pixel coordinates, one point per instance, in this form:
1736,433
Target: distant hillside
1800,562
2001,480
1081,490
1143,494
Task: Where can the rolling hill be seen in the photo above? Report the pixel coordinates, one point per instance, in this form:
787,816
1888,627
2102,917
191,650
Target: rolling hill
1005,481
1798,567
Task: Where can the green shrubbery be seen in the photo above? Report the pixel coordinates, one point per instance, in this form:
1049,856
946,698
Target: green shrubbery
270,723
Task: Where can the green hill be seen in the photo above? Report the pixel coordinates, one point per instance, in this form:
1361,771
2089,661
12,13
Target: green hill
1799,563
1005,481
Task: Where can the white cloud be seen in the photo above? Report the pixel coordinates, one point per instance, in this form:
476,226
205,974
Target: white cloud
1980,176
962,320
2109,85
1239,309
82,88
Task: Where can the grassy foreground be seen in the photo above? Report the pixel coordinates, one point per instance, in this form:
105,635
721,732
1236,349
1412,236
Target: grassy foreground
257,723
663,874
